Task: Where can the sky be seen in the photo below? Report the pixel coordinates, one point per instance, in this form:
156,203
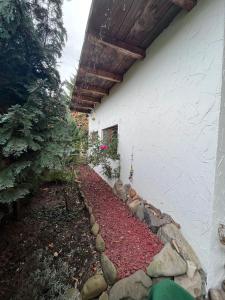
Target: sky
75,15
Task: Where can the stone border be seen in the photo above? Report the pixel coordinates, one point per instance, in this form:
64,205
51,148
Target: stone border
179,261
97,285
106,284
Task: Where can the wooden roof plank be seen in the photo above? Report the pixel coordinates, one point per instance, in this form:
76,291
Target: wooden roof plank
135,12
101,74
185,4
86,98
151,15
83,104
102,57
116,36
162,24
124,48
91,89
113,17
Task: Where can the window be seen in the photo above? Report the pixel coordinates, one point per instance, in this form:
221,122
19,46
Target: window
109,134
110,138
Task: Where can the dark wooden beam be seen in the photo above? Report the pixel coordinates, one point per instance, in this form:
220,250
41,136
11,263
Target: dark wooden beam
101,74
185,4
83,104
127,49
85,98
81,109
92,89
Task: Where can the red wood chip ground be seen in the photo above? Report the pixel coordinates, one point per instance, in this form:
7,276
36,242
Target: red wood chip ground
130,245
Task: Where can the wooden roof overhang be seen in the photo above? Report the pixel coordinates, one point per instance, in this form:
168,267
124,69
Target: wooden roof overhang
117,35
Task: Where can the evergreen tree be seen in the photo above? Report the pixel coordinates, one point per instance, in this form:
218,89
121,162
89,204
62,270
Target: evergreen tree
36,133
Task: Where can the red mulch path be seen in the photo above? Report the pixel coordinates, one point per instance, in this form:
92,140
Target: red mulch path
130,245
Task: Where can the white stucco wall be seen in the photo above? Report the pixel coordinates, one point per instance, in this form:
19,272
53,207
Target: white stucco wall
217,250
167,110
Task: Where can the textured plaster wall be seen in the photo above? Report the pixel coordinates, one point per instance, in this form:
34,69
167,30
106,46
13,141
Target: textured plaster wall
217,250
167,109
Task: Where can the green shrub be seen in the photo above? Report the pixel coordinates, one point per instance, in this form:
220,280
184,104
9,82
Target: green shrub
102,155
37,133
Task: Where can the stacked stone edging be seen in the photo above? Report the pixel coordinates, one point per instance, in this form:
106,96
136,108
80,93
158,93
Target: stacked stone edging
96,286
178,260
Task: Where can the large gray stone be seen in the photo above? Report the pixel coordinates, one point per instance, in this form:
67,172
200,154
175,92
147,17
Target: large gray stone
192,285
120,191
171,232
95,229
167,263
155,221
109,270
191,269
99,243
134,287
140,211
93,287
133,206
216,294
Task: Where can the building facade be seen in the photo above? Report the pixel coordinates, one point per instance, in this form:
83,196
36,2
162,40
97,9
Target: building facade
170,113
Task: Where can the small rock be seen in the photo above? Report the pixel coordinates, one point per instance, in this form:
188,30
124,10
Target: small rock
104,296
119,190
92,220
167,263
72,294
127,188
134,287
133,206
90,210
95,229
132,193
192,285
216,294
137,197
154,221
56,254
109,270
140,211
93,287
171,232
99,243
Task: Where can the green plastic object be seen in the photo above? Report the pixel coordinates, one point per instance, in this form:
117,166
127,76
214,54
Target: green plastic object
168,290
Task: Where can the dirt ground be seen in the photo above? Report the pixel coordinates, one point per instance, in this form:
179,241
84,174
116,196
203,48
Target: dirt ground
49,250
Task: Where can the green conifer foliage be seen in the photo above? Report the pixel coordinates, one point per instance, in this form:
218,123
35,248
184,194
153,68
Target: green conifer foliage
36,132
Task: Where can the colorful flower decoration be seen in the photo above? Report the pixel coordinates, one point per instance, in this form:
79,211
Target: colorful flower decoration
104,147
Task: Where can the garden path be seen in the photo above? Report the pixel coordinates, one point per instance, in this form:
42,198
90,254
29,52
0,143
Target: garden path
130,245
